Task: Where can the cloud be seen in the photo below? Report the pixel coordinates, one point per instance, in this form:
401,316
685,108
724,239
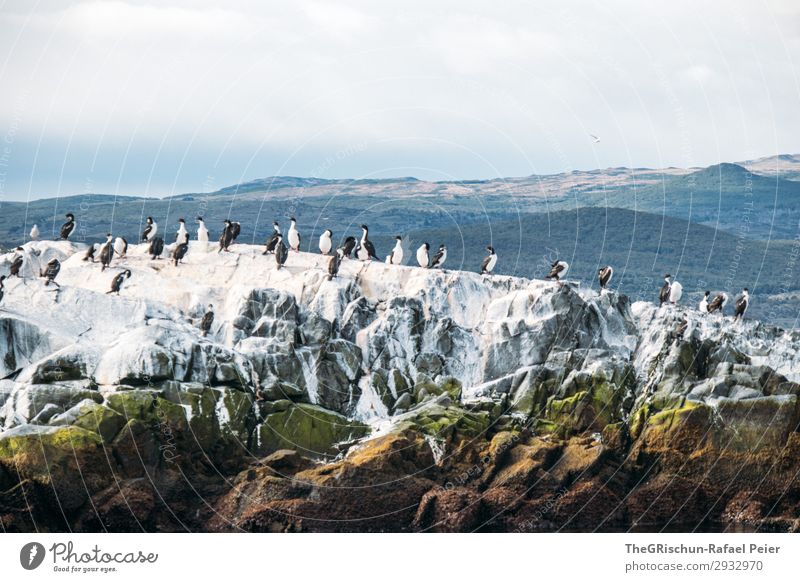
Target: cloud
247,89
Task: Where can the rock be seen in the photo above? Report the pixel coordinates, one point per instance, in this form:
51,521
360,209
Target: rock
28,401
308,429
93,417
53,457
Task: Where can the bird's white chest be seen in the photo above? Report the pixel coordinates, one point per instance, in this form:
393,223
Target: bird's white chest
422,257
397,254
325,243
492,262
294,237
202,233
703,305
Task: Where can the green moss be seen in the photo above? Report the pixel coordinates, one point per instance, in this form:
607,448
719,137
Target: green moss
35,451
308,429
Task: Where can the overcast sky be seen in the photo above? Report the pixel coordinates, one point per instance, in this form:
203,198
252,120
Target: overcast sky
156,98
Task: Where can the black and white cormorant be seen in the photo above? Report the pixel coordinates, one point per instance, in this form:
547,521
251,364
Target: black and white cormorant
742,304
365,251
487,266
718,303
675,292
207,321
293,236
558,270
663,295
181,249
2,287
51,272
107,252
326,242
236,230
156,247
423,256
90,252
703,305
150,230
396,256
348,246
17,263
273,239
202,231
120,246
604,276
281,253
182,232
226,238
116,282
333,264
439,258
68,227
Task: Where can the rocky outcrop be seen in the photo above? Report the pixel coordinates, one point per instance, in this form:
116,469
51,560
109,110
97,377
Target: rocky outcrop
390,398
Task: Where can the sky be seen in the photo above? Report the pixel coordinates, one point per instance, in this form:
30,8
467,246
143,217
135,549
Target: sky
160,98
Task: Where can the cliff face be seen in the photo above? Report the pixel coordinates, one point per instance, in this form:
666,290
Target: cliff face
390,398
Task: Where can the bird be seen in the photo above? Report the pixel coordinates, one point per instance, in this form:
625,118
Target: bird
181,249
236,230
396,256
703,305
348,246
675,292
51,272
179,236
294,235
107,252
208,319
34,233
422,255
718,303
156,248
325,242
439,258
604,276
17,262
226,238
595,139
150,230
281,252
89,256
741,304
116,283
487,266
68,227
273,239
2,287
120,246
365,251
558,270
333,264
202,231
663,295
